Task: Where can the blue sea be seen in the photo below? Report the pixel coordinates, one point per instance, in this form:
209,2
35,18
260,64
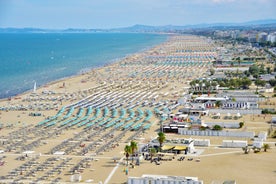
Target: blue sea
42,58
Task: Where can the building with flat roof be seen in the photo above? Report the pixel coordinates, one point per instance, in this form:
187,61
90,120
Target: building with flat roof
162,179
176,146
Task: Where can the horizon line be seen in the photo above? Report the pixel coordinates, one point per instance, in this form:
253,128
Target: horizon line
137,24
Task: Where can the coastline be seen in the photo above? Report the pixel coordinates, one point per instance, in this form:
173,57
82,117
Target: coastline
84,69
154,75
112,62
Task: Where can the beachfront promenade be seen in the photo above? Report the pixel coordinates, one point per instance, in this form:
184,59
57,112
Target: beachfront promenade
88,119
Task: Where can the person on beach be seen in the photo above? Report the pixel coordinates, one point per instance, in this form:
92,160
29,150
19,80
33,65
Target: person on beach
126,171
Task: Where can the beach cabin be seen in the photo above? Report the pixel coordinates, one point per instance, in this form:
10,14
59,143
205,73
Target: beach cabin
235,105
243,100
172,127
204,99
200,111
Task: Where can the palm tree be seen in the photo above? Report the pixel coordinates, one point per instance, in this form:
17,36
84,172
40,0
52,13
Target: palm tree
133,147
127,152
152,152
161,138
218,103
266,147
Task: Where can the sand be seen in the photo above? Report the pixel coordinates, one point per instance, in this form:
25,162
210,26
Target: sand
135,75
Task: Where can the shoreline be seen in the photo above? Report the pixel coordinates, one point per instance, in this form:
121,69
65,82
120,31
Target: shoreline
88,70
96,114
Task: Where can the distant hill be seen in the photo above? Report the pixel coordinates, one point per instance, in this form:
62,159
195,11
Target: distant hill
261,22
148,28
141,28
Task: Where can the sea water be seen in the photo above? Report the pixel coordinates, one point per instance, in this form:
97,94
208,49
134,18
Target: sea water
41,58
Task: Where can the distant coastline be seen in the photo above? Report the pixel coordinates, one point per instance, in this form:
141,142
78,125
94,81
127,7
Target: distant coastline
148,28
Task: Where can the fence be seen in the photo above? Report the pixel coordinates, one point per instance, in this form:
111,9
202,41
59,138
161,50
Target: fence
201,142
233,144
184,131
235,111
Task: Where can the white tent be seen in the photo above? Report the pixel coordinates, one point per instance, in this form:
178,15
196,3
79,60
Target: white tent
59,153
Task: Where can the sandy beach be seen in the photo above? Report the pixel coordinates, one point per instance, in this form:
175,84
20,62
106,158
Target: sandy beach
80,125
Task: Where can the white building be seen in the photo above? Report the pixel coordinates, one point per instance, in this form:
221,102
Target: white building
161,179
178,146
262,37
271,37
234,144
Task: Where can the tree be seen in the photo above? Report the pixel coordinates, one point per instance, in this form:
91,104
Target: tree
233,83
241,124
217,127
266,147
246,82
268,70
161,138
259,82
272,82
152,152
254,70
127,152
247,73
192,83
262,69
133,147
218,103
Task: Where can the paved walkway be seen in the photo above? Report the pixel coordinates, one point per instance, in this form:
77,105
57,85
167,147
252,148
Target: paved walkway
224,153
113,171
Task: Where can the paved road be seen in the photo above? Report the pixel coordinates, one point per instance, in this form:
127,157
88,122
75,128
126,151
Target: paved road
113,171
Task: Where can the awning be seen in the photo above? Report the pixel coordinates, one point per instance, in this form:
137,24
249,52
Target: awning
167,147
59,153
180,148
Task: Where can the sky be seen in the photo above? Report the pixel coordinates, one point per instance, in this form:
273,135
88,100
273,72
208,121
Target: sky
62,14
